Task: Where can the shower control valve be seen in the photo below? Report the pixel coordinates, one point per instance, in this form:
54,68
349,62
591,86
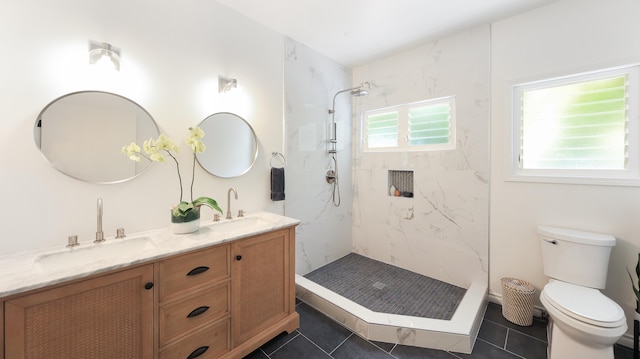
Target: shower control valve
331,176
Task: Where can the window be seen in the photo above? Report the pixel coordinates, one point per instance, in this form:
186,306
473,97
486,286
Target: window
420,126
577,127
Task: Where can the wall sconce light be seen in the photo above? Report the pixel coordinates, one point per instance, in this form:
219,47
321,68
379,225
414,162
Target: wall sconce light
226,84
104,54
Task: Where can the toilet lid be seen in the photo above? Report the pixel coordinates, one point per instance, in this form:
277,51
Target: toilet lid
585,304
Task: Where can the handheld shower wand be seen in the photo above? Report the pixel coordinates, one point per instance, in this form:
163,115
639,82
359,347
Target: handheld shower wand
332,174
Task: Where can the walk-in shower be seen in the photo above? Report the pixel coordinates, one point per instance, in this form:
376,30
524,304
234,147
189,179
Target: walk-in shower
332,174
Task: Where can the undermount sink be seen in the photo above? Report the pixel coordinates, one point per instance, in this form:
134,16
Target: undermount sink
240,223
91,253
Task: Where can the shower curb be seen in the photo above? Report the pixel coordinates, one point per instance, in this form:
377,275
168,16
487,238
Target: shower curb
455,335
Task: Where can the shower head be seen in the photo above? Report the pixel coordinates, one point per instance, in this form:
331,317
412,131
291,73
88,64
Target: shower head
361,90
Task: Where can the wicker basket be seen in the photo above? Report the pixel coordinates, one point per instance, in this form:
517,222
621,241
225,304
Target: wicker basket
517,301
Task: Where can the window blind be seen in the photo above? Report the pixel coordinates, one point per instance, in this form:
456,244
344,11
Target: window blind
429,125
582,125
382,130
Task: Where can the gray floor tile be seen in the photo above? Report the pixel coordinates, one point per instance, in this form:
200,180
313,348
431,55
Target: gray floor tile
538,329
621,352
493,333
320,329
275,343
484,350
526,346
258,354
299,348
384,346
357,348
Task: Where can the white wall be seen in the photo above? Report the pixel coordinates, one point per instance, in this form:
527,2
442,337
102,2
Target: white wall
565,37
443,230
310,82
172,54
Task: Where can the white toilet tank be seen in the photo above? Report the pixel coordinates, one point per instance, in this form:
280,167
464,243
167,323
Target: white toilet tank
576,257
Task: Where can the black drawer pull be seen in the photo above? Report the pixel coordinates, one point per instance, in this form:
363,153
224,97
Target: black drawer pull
197,270
148,285
238,257
196,312
196,353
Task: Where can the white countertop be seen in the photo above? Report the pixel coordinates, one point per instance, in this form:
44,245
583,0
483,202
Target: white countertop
19,272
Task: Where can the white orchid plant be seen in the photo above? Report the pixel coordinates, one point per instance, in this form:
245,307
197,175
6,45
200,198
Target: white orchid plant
156,150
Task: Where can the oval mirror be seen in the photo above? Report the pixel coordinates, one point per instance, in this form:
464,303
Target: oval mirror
82,133
232,147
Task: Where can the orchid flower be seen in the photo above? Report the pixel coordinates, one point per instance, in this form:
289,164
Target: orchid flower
155,150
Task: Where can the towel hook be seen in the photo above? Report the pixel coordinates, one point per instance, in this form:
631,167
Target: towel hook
278,155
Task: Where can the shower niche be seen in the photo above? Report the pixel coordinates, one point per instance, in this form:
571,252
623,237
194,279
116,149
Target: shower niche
400,183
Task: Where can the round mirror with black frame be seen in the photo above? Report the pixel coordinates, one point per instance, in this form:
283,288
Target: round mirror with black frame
81,134
232,147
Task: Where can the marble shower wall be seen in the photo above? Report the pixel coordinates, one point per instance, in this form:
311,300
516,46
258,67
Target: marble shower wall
310,81
442,231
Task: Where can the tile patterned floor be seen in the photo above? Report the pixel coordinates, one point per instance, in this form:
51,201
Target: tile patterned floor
375,285
320,337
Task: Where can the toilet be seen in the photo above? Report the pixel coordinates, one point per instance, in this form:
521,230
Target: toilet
583,322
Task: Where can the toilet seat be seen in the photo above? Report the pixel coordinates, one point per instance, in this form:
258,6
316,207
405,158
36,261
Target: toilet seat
587,305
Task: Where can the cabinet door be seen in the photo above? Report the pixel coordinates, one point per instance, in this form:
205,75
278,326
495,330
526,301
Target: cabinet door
260,283
105,317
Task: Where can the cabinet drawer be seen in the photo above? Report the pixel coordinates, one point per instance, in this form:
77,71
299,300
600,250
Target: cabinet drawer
207,343
189,313
191,270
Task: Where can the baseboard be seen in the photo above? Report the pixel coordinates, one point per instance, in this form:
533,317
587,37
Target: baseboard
626,340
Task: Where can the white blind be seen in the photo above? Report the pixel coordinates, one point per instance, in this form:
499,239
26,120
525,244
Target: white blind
430,124
582,125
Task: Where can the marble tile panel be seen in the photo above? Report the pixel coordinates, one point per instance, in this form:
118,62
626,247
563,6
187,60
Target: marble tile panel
311,80
441,232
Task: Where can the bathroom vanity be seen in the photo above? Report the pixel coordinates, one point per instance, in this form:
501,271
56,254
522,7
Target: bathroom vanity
219,293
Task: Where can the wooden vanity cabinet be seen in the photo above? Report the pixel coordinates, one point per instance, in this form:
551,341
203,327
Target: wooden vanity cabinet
105,317
222,301
249,295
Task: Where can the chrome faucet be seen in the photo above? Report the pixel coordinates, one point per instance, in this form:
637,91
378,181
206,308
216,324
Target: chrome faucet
229,201
99,232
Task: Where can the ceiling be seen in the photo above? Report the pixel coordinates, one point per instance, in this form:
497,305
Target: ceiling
354,32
